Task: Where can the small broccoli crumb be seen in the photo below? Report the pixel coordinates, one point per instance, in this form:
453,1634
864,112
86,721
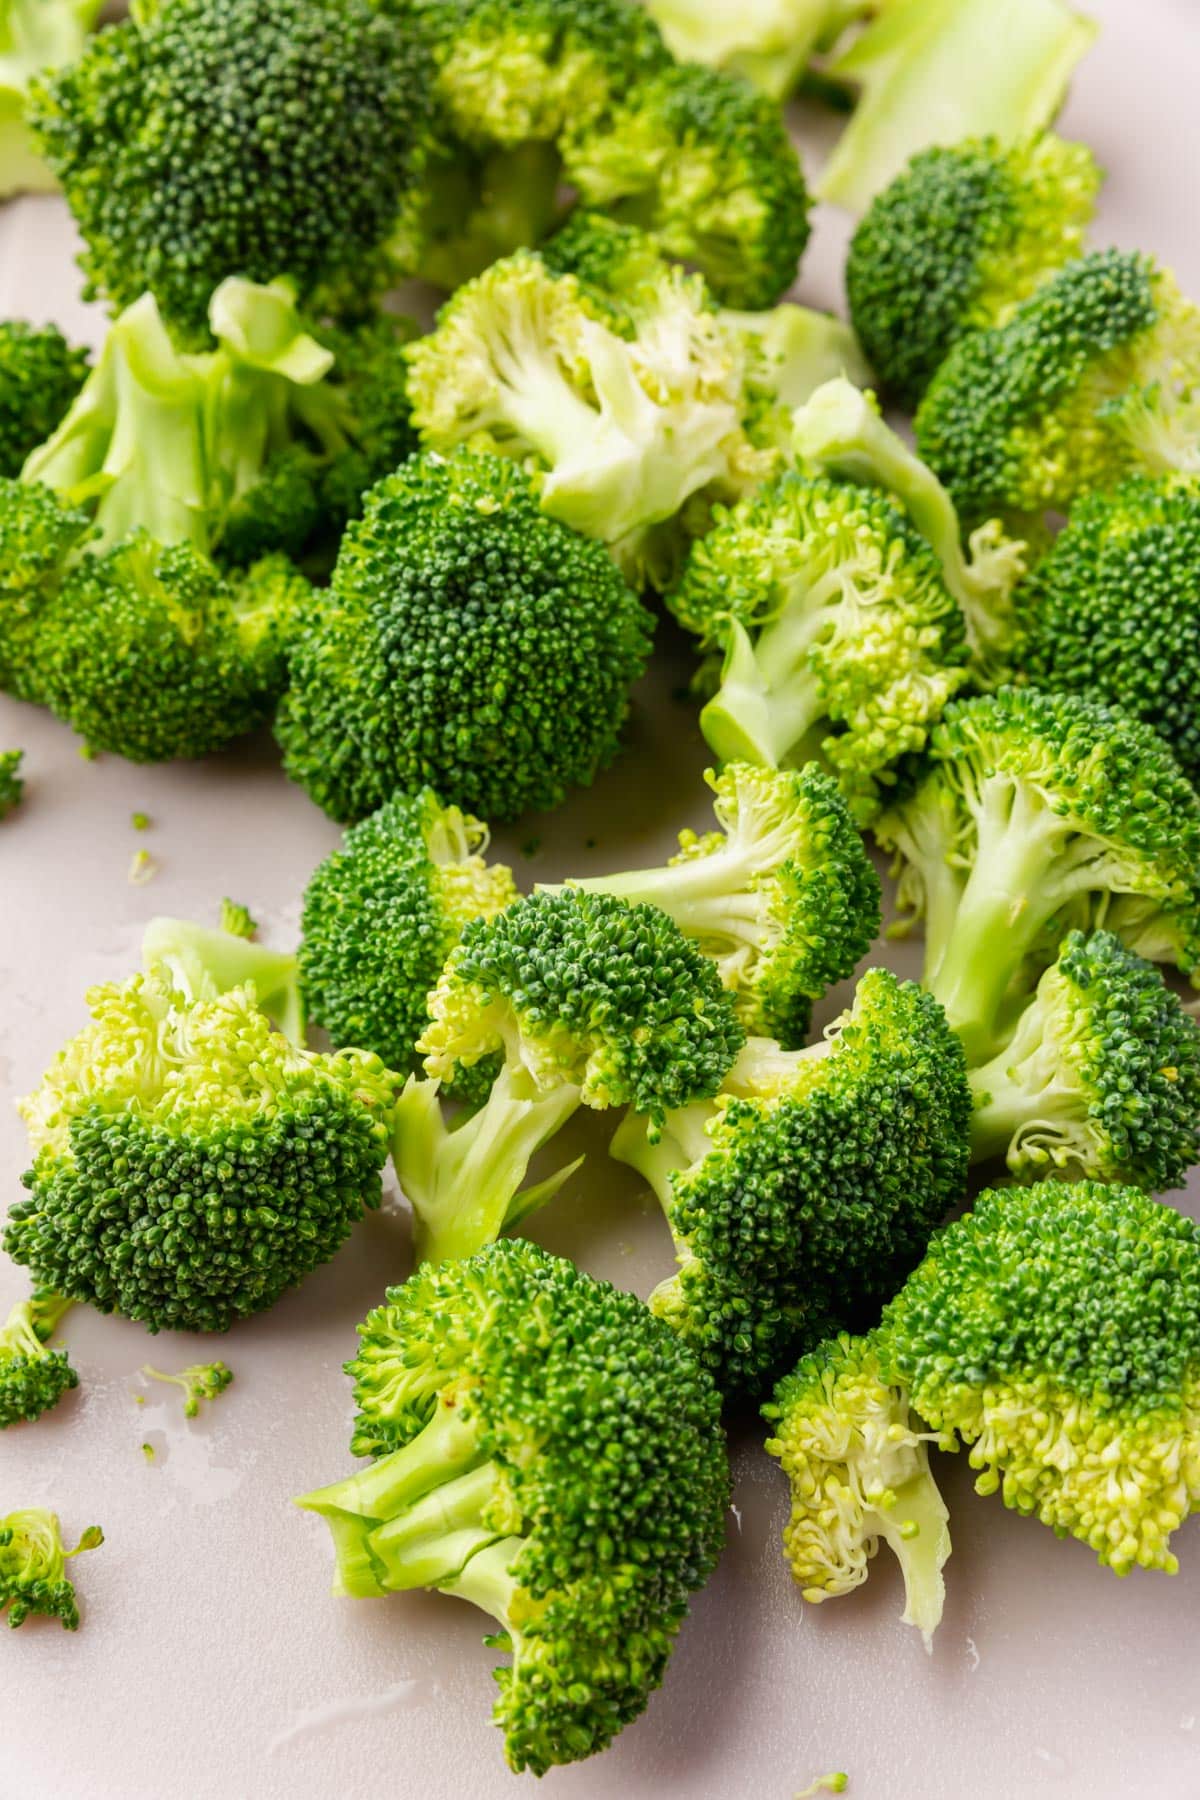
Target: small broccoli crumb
836,1783
140,821
142,868
148,1452
202,1381
238,920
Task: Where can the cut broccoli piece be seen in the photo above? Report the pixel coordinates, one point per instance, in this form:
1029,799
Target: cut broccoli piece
936,72
839,638
382,914
956,242
33,1378
259,138
782,896
705,166
1100,1077
1111,610
551,1453
35,35
37,537
1033,814
198,959
769,42
190,1164
33,1567
800,1200
12,787
40,375
202,1381
592,1003
1016,420
468,642
238,920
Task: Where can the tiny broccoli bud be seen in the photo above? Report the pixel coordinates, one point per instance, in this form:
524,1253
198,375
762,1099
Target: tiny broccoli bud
237,920
202,1381
140,821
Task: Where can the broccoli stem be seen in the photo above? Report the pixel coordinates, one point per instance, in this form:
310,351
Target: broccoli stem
682,1142
913,1524
488,1583
202,962
1021,1091
710,897
768,709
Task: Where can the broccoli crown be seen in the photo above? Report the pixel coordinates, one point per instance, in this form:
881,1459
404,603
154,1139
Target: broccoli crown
956,241
551,1452
816,1197
783,896
190,1163
37,536
705,166
1014,420
260,138
40,375
1110,610
12,787
1055,1329
152,653
1034,814
840,638
469,643
33,1567
382,914
32,1377
202,1381
582,989
1101,1077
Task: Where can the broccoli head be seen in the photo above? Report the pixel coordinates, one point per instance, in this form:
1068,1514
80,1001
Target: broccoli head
33,1567
1100,1077
260,138
590,1003
12,786
33,1378
956,242
1111,611
382,914
202,1381
190,1163
782,896
1031,815
40,375
468,642
1016,420
551,1452
800,1200
840,641
34,35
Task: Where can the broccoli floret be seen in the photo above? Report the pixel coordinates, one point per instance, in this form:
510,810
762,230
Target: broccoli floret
1100,1077
839,638
40,375
592,1003
33,1378
800,1200
553,1454
468,642
769,42
782,896
1111,609
33,1567
37,537
238,920
12,787
627,420
202,1381
260,138
1016,419
956,242
35,35
382,914
840,431
1033,814
190,1163
932,71
705,166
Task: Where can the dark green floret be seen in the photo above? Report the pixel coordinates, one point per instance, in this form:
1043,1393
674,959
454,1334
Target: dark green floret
190,1163
33,1378
783,896
1113,609
591,1003
1031,815
956,242
552,1453
40,375
33,1567
38,535
382,914
1100,1077
12,787
800,1200
468,643
261,138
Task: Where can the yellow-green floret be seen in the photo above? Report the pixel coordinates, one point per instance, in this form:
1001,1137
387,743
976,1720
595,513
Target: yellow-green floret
552,1453
33,1567
33,1378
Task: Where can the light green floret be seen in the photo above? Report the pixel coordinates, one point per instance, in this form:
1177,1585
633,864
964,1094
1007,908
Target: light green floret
202,1381
35,35
1032,814
550,1452
33,1567
1100,1078
33,1378
592,1003
769,42
839,639
12,787
782,897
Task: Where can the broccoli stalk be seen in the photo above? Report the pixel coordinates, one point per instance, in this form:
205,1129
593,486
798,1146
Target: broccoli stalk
769,42
33,1378
33,1567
